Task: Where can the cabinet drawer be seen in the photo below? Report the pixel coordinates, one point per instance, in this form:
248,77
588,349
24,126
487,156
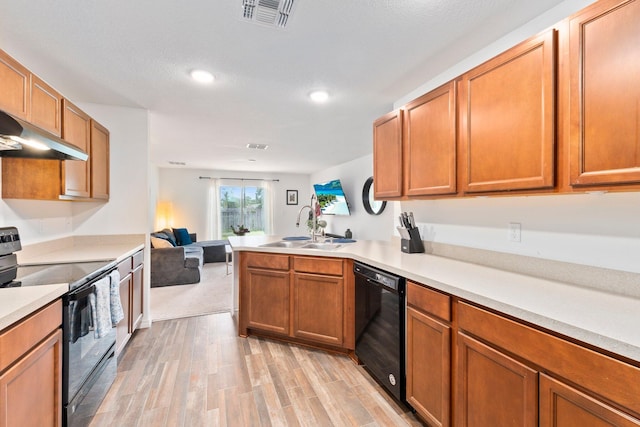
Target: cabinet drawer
269,261
138,258
613,379
17,340
125,266
328,266
429,301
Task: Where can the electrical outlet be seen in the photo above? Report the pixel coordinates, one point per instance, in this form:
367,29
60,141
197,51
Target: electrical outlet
515,230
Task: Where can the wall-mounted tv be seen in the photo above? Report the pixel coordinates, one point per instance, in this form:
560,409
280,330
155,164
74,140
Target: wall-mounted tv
331,198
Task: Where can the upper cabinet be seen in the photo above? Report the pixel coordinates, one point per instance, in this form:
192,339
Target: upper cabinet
99,158
604,67
507,108
76,128
46,106
387,155
430,143
28,97
14,86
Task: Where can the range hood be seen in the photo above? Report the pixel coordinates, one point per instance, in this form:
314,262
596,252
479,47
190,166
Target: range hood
22,139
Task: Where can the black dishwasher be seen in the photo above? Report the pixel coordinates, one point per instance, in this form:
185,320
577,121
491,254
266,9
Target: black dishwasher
380,326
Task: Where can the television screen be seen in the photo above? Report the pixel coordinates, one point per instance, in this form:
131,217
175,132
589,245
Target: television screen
331,198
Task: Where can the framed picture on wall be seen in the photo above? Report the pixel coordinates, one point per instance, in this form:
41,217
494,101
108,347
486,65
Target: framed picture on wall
292,197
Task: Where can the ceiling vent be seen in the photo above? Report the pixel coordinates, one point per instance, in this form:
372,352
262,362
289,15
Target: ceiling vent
274,13
257,146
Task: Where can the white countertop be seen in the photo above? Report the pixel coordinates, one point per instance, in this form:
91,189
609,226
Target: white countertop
16,303
605,320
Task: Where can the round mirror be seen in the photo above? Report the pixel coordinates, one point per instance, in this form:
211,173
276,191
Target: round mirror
373,207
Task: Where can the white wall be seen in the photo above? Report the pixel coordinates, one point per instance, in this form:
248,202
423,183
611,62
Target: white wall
594,229
353,175
127,209
189,197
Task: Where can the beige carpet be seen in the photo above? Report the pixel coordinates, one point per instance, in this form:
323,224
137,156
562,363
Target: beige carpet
211,295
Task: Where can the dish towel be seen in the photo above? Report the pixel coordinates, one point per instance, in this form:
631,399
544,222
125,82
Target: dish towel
117,314
101,305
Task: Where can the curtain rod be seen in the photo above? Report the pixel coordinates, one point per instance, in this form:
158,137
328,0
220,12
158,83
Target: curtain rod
241,179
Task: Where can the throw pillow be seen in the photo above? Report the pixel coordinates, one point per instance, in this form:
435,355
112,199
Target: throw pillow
157,242
182,236
171,236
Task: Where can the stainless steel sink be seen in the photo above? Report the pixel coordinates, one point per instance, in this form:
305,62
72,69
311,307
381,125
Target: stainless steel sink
321,246
284,244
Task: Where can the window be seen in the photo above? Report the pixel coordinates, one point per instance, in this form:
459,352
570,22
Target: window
244,205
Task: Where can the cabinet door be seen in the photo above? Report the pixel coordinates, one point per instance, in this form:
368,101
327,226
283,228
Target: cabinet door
76,129
318,312
508,119
387,156
493,389
564,406
31,390
14,86
429,367
605,94
46,106
137,298
266,299
99,159
123,328
430,143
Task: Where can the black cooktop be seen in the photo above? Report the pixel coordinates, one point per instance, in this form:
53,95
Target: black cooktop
75,274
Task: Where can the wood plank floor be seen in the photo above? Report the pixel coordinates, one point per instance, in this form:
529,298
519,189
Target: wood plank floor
197,372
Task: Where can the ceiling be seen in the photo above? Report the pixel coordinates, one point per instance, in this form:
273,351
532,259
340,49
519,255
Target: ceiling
365,53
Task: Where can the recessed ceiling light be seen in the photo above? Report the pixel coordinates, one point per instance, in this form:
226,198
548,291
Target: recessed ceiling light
319,96
202,76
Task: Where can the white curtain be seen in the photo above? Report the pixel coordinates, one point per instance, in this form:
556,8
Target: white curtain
267,209
213,204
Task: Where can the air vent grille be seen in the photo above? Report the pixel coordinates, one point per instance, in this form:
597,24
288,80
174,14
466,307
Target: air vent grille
274,13
257,146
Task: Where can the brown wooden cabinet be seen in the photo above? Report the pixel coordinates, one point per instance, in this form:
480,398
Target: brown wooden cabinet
507,119
14,87
428,343
318,300
605,94
46,106
131,297
387,156
430,143
303,298
99,158
564,406
494,389
31,370
76,129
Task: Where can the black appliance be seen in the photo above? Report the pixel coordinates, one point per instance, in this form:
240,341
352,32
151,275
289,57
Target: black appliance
88,362
380,327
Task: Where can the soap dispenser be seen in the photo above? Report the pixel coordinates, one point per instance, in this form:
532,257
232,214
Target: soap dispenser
348,234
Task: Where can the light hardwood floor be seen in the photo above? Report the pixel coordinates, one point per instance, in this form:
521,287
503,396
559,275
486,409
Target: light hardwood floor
197,372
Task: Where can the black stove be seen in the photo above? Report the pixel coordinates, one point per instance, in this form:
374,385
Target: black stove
12,274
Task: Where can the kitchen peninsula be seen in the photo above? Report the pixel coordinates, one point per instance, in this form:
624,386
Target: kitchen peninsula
559,332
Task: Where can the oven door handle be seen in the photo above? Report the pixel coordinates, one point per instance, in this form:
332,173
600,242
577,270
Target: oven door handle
82,293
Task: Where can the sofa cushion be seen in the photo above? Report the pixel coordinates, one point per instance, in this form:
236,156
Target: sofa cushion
170,235
157,242
161,235
182,236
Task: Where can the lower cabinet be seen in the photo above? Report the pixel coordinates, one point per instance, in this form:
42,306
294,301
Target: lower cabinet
511,374
131,297
494,389
428,369
31,370
299,297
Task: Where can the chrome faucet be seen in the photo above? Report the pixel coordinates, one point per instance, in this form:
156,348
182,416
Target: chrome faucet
314,218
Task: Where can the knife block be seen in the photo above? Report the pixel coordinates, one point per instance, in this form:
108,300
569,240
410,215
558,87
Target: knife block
414,244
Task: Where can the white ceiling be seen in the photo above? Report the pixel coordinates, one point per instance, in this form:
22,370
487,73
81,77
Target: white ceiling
365,53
